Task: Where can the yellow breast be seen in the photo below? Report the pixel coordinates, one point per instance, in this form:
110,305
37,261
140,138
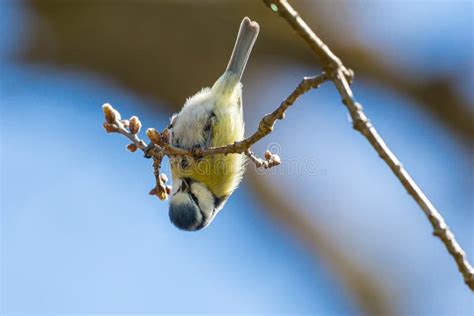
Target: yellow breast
221,173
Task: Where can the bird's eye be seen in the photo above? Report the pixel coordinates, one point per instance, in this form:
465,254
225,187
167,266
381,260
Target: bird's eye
184,163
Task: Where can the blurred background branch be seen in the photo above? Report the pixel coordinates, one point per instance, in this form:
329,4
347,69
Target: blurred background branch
144,63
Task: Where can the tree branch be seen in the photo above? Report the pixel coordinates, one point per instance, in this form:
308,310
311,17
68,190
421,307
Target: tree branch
341,78
160,142
114,124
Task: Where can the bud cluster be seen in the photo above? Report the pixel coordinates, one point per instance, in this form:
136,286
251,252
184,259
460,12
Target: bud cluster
114,124
154,136
159,142
161,190
269,160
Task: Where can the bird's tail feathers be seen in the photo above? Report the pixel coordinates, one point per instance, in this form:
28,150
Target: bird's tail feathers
246,37
248,33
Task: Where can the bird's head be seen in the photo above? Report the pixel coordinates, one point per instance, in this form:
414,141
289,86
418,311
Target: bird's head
193,206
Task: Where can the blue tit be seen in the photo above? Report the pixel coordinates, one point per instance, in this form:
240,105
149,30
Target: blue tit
211,118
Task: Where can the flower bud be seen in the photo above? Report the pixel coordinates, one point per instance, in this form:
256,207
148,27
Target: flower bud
163,178
162,195
109,113
154,136
275,160
268,155
135,125
132,147
166,134
117,115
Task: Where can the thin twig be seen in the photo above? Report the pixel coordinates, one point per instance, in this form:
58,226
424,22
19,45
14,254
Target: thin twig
161,190
339,76
265,127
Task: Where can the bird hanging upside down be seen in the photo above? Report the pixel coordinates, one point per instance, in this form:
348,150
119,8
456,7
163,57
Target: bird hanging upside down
211,118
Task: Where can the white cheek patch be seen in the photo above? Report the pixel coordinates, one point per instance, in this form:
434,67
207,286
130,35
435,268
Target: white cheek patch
204,196
176,185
